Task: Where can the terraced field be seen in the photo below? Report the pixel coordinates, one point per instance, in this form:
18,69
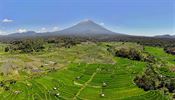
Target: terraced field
161,55
84,80
167,59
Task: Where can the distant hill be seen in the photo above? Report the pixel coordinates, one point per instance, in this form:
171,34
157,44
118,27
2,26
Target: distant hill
165,36
86,27
28,33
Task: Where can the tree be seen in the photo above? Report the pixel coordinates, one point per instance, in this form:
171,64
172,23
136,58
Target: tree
27,46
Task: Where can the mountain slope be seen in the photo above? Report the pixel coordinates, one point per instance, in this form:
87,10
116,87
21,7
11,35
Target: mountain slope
87,27
84,28
28,33
165,36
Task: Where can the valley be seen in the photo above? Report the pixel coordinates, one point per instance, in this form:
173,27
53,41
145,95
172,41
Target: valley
87,50
86,71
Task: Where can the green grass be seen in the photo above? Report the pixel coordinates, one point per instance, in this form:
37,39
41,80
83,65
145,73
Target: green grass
167,59
83,70
161,54
118,78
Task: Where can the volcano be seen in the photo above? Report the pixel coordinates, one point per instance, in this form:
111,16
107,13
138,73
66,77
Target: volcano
87,27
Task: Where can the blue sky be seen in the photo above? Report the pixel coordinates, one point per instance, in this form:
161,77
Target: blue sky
136,17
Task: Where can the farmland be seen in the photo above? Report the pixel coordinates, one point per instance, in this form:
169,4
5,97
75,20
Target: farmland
86,71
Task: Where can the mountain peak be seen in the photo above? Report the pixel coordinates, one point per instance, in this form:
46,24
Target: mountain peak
86,21
86,27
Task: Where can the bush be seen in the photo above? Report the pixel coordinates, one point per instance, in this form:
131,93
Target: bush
27,46
170,50
133,54
7,49
170,85
150,80
145,82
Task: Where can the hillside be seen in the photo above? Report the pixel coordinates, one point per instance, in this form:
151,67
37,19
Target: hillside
85,28
165,36
84,71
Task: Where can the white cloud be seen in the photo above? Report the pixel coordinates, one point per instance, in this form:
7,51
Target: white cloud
50,29
102,24
55,28
21,30
41,30
7,20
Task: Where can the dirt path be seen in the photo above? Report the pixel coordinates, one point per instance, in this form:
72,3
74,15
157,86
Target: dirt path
84,86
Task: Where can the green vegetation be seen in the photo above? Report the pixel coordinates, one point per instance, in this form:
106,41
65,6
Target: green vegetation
26,46
82,70
131,51
159,75
170,50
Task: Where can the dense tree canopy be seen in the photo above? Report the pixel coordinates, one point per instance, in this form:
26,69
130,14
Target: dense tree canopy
26,46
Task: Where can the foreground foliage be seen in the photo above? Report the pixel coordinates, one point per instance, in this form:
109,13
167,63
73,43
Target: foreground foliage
131,51
87,71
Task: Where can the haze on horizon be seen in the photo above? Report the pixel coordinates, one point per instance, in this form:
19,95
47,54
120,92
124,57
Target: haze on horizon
134,17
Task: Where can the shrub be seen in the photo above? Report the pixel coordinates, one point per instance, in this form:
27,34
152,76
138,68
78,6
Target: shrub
134,54
150,80
7,49
27,46
170,50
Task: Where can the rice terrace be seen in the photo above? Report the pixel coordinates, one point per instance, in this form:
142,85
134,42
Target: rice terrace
69,73
87,50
